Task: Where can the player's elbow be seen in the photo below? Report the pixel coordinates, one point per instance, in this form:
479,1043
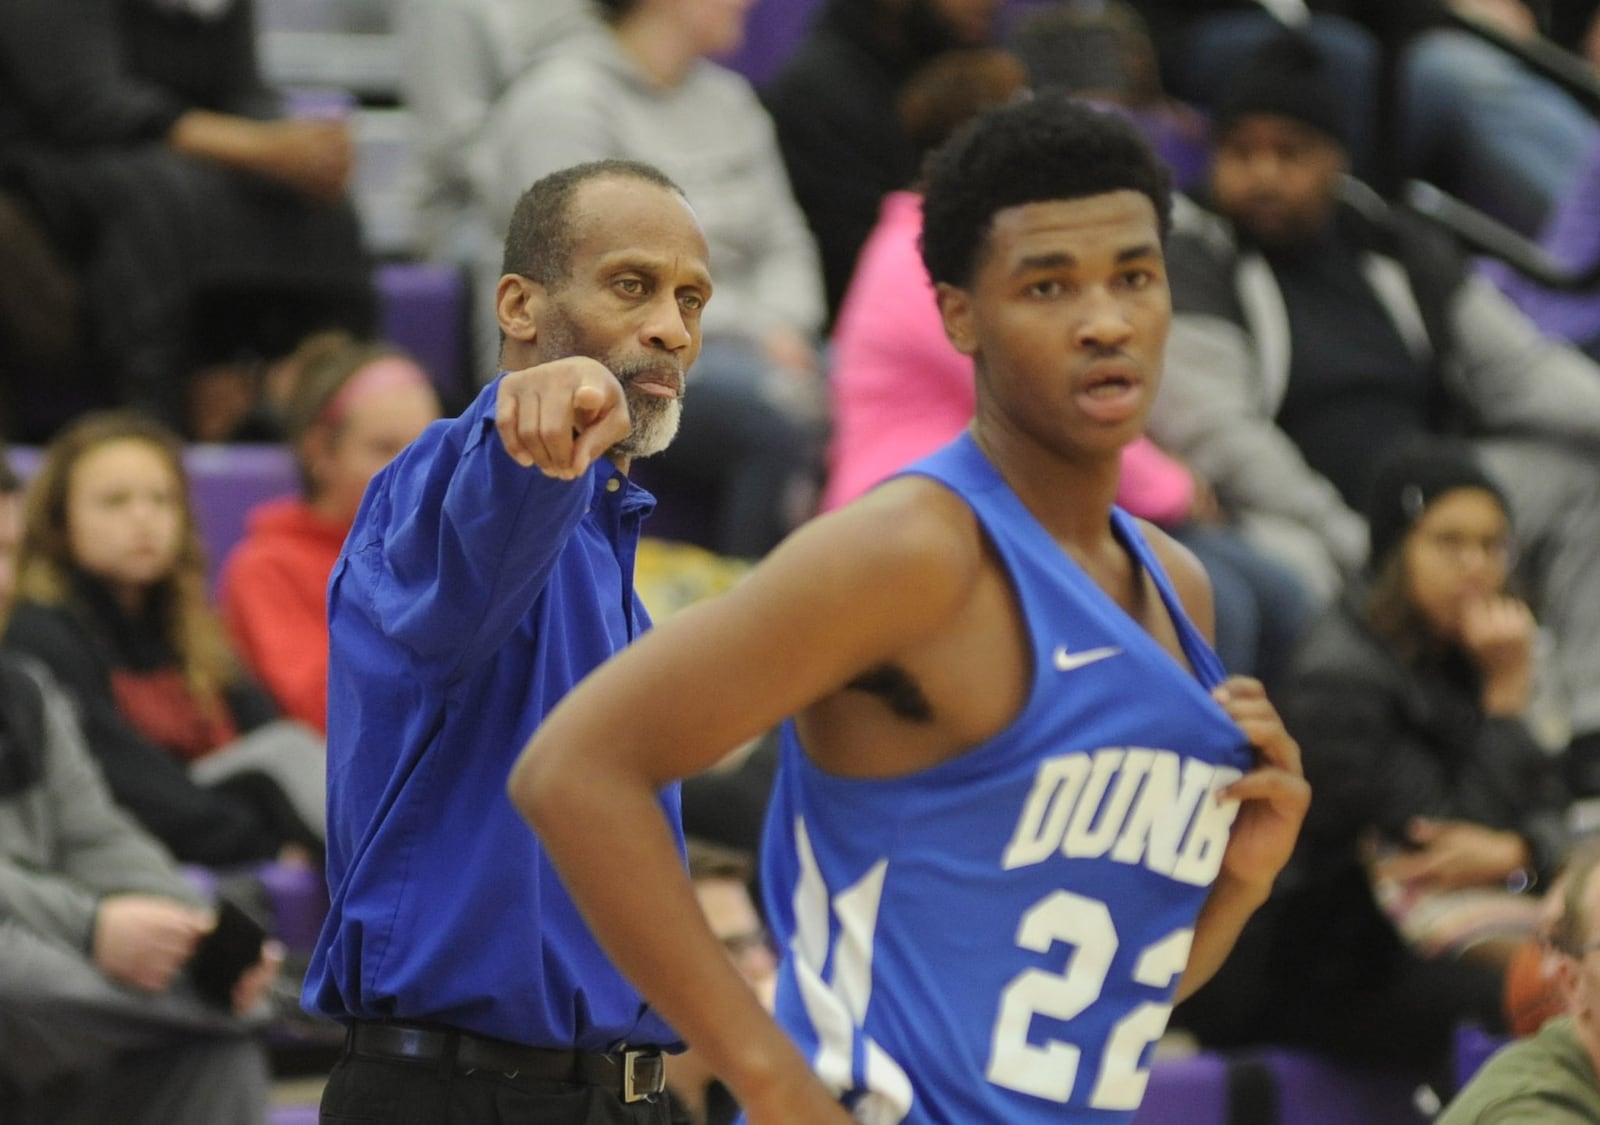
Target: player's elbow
535,783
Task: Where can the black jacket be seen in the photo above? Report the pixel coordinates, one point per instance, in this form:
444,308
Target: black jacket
199,825
1385,741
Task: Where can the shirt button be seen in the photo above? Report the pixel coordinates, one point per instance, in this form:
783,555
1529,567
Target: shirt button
613,484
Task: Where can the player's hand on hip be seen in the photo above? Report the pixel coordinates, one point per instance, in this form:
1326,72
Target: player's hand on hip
1274,796
560,416
813,1105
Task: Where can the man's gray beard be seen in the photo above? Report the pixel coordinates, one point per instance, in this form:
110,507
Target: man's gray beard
655,424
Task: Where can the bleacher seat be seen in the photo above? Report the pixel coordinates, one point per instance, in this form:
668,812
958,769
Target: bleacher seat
383,189
1192,1090
423,308
1314,1090
297,897
1473,1046
1274,1086
345,43
227,481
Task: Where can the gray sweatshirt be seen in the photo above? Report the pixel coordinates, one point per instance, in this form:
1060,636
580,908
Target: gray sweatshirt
63,844
709,133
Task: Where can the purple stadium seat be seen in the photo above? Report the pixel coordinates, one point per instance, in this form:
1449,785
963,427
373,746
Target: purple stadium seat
1473,1046
775,26
1192,1090
1312,1090
293,1115
423,308
229,480
297,896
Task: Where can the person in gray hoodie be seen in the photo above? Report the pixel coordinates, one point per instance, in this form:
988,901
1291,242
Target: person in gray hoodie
754,420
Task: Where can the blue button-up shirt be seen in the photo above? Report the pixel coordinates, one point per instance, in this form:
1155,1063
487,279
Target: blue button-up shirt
472,594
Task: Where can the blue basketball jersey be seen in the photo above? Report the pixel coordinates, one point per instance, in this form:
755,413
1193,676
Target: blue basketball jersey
998,938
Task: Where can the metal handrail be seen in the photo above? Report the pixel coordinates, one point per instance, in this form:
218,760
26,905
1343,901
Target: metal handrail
1480,232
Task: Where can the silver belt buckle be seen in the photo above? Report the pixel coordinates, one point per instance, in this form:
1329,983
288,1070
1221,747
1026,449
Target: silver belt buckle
644,1075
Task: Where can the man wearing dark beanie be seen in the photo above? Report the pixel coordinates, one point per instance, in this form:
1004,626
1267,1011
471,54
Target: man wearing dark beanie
1287,77
1314,331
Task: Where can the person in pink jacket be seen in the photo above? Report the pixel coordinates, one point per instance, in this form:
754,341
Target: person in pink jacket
901,390
352,407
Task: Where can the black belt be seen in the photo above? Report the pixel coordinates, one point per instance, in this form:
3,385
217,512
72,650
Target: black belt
632,1075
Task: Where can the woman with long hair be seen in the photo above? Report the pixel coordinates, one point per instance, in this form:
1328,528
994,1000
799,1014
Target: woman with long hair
112,599
1437,807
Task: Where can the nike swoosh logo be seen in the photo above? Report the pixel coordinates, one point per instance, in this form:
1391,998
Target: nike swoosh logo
1071,661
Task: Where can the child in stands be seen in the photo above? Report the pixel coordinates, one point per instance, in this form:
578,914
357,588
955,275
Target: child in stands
112,599
351,406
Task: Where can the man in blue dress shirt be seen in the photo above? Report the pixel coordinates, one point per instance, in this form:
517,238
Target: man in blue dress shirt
473,592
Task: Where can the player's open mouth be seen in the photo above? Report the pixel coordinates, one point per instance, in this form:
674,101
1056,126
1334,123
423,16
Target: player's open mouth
1110,396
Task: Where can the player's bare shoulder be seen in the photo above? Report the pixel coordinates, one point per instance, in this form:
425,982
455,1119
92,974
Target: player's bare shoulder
917,523
1188,574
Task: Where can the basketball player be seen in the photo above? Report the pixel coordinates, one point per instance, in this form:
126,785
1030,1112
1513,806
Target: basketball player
1018,810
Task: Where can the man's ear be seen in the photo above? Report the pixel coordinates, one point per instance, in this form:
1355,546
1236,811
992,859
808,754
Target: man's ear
1567,978
955,309
519,306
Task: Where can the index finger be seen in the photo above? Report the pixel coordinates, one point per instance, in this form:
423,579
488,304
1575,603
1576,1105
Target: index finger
602,424
507,422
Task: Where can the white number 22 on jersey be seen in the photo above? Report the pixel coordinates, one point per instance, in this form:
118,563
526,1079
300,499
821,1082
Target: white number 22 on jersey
1051,1071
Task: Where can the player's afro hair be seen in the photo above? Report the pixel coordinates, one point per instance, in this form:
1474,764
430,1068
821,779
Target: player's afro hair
1045,148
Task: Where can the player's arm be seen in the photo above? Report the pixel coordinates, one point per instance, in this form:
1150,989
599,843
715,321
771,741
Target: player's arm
844,594
1273,796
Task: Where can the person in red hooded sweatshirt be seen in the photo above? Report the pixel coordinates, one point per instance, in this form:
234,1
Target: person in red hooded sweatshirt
351,407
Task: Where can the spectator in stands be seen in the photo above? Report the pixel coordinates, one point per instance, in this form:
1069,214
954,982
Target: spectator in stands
648,91
1411,701
722,877
207,231
353,406
1311,335
901,390
1551,1078
833,103
38,324
459,58
112,585
1470,116
1104,52
99,1019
